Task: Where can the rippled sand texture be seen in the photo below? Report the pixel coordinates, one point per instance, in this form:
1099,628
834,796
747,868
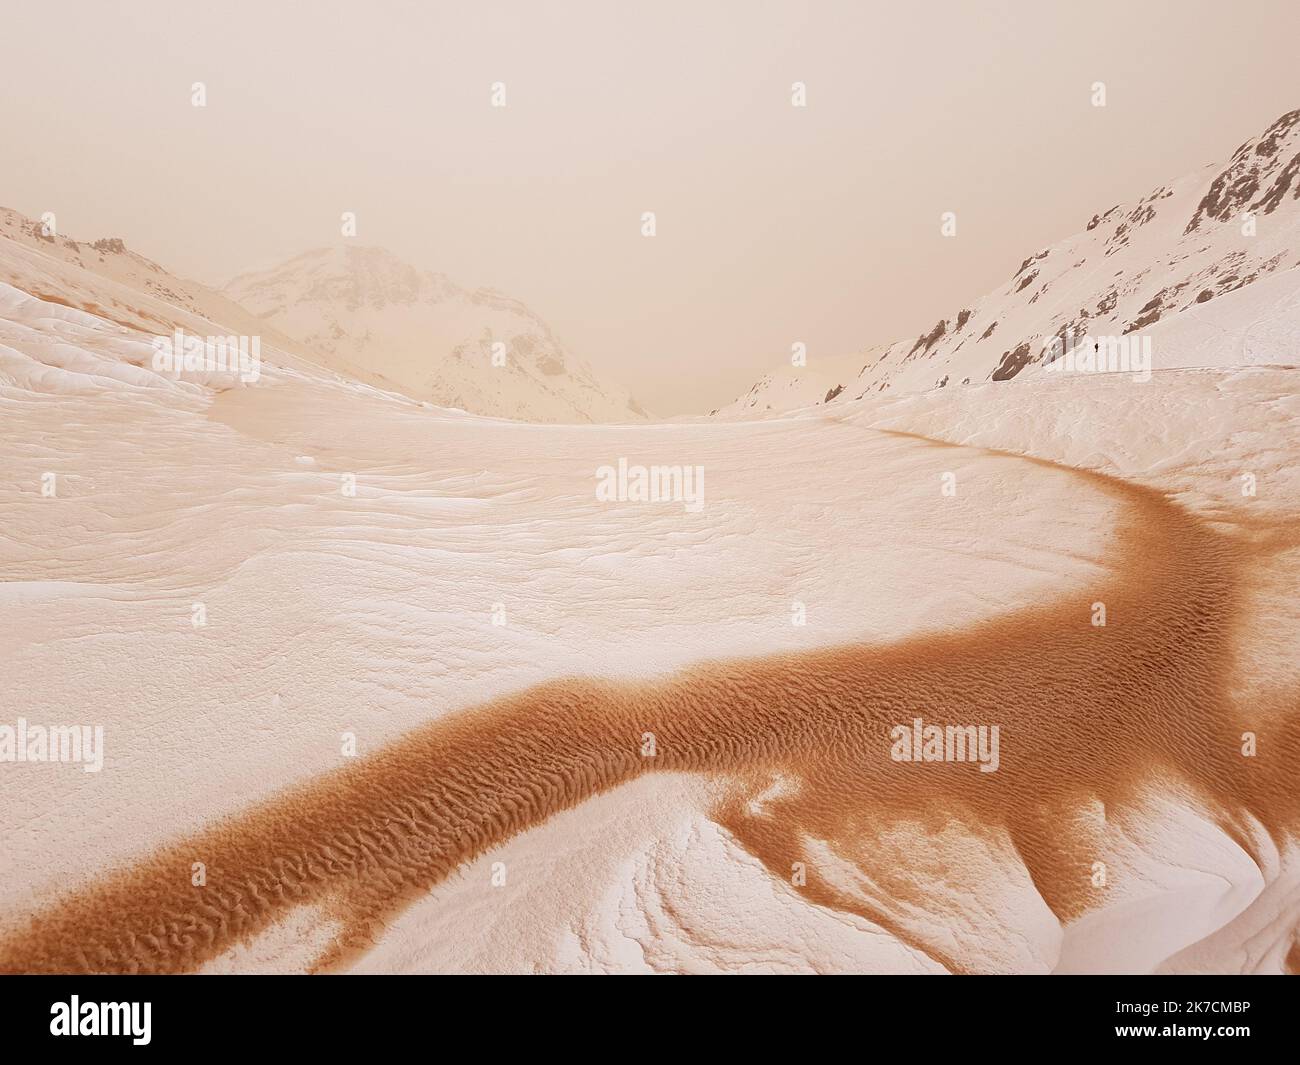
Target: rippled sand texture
1089,717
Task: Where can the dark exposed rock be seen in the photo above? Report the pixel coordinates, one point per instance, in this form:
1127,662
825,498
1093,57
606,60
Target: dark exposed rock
1226,194
1098,219
1149,315
1013,362
833,393
1235,188
1238,282
1272,138
927,341
1118,240
1271,199
1032,259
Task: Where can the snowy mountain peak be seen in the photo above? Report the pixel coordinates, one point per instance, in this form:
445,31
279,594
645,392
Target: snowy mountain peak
368,313
350,275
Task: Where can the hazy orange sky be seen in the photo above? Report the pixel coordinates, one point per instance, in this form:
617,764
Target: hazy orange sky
775,224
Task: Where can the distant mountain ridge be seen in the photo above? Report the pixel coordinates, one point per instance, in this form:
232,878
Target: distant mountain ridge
369,314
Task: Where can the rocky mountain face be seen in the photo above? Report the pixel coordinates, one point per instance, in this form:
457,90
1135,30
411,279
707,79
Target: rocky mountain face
1204,270
370,315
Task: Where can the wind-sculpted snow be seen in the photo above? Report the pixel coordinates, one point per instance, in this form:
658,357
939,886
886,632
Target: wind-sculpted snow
1092,719
671,727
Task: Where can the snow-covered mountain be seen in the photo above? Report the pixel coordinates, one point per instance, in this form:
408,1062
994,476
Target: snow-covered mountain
1205,268
372,316
359,312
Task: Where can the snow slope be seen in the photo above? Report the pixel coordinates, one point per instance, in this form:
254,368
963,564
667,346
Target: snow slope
374,615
